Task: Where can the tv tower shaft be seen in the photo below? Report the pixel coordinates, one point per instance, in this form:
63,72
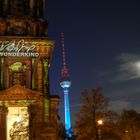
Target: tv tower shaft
65,84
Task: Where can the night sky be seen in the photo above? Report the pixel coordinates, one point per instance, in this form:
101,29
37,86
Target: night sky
102,43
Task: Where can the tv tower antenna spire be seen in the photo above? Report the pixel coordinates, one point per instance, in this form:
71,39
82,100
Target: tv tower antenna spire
65,83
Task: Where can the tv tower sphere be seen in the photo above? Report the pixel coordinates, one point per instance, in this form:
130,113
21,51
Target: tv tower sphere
65,84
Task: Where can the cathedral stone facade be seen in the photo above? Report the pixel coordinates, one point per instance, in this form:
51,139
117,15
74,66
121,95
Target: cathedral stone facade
22,17
27,110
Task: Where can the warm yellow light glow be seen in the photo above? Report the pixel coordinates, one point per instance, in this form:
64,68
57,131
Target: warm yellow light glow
100,122
126,131
17,120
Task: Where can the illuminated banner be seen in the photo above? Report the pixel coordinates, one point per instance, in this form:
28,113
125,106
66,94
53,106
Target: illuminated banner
17,49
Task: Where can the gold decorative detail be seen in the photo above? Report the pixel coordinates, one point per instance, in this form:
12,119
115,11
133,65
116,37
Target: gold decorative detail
18,92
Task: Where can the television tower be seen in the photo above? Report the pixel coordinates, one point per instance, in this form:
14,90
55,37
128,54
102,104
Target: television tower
65,83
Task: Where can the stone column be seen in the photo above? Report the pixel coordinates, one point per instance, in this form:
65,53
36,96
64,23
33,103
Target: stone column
5,7
10,78
40,76
54,101
7,76
44,6
33,73
31,7
46,78
3,122
41,8
2,73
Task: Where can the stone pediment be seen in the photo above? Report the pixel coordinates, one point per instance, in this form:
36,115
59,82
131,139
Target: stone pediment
18,92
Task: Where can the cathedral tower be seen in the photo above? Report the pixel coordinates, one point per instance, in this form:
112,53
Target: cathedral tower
27,109
22,17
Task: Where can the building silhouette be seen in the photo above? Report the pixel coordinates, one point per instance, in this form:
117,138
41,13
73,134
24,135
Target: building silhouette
27,110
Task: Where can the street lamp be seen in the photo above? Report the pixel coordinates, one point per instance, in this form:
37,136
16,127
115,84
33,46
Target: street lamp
126,134
100,122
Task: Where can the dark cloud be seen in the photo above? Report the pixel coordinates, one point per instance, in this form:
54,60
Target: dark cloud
119,105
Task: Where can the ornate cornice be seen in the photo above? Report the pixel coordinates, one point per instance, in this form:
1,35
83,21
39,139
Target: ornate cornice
18,92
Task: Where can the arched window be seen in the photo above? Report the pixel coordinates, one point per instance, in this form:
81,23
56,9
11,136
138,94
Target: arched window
17,73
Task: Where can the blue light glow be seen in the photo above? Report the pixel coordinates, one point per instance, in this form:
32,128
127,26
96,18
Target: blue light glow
65,85
67,110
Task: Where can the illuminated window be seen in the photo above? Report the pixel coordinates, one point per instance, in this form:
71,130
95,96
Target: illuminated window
17,123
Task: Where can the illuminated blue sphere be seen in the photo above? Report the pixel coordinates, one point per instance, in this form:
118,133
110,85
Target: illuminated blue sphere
65,84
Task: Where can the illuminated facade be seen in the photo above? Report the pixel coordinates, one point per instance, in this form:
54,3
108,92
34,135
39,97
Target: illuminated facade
27,110
65,83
